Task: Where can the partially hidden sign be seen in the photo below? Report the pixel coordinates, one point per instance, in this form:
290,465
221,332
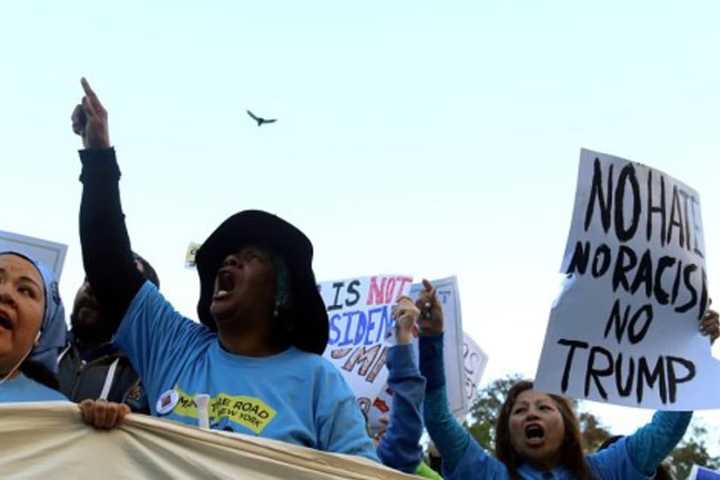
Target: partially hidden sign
625,328
448,294
52,254
457,352
474,360
360,314
702,473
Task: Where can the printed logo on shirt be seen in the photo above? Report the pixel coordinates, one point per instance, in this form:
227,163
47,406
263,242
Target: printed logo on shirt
250,412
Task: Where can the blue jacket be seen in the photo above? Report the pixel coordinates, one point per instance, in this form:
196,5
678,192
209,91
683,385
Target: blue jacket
400,447
634,456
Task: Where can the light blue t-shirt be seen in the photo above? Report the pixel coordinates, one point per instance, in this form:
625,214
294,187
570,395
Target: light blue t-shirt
294,396
633,457
613,463
23,389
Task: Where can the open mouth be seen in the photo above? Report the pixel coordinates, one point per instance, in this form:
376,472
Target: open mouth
534,434
5,323
224,284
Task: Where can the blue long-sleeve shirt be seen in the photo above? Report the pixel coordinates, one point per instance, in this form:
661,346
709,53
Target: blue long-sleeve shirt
400,447
635,456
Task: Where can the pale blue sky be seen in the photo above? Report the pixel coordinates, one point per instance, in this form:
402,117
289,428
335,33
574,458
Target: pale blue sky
429,138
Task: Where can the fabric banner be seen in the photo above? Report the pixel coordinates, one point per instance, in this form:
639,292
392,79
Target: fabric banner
49,440
625,329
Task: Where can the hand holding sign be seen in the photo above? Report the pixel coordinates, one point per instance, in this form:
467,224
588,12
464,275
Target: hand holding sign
625,328
90,120
431,318
406,315
710,325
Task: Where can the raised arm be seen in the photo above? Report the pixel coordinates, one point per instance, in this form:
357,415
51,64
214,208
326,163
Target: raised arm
107,256
649,445
400,447
462,457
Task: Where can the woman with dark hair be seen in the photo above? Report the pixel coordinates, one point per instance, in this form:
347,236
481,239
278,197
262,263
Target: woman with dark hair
32,330
537,435
509,422
257,351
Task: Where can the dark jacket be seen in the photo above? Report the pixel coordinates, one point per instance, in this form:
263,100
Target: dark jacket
105,368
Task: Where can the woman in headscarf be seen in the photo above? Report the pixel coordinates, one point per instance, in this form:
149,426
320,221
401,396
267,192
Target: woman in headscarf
257,352
32,330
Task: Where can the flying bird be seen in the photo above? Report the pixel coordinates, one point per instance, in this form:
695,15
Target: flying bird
261,120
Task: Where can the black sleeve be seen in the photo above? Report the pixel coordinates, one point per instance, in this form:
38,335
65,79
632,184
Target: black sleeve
108,259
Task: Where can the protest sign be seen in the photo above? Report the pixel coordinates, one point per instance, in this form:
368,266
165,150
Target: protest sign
625,328
360,314
190,254
454,356
52,254
449,296
475,360
702,473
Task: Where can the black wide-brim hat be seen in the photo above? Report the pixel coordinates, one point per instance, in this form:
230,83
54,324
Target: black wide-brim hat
265,230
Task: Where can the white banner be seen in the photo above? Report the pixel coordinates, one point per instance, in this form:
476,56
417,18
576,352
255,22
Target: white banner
49,440
625,328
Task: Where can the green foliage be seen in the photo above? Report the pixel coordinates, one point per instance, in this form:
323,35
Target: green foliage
486,408
693,451
594,433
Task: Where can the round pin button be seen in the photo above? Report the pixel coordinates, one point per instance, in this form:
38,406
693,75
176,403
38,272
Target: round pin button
167,402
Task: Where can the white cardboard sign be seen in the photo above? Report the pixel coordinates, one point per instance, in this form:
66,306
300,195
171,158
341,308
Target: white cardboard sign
702,473
475,361
454,356
360,314
625,328
52,254
449,295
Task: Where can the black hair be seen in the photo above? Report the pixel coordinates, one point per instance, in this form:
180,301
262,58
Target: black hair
148,271
284,318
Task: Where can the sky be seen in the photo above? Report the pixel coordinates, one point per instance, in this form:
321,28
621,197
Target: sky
415,137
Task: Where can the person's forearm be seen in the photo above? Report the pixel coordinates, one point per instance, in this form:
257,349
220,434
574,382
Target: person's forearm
400,446
107,256
652,443
450,438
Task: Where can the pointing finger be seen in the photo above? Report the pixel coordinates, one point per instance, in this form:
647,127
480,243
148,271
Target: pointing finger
88,107
91,95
